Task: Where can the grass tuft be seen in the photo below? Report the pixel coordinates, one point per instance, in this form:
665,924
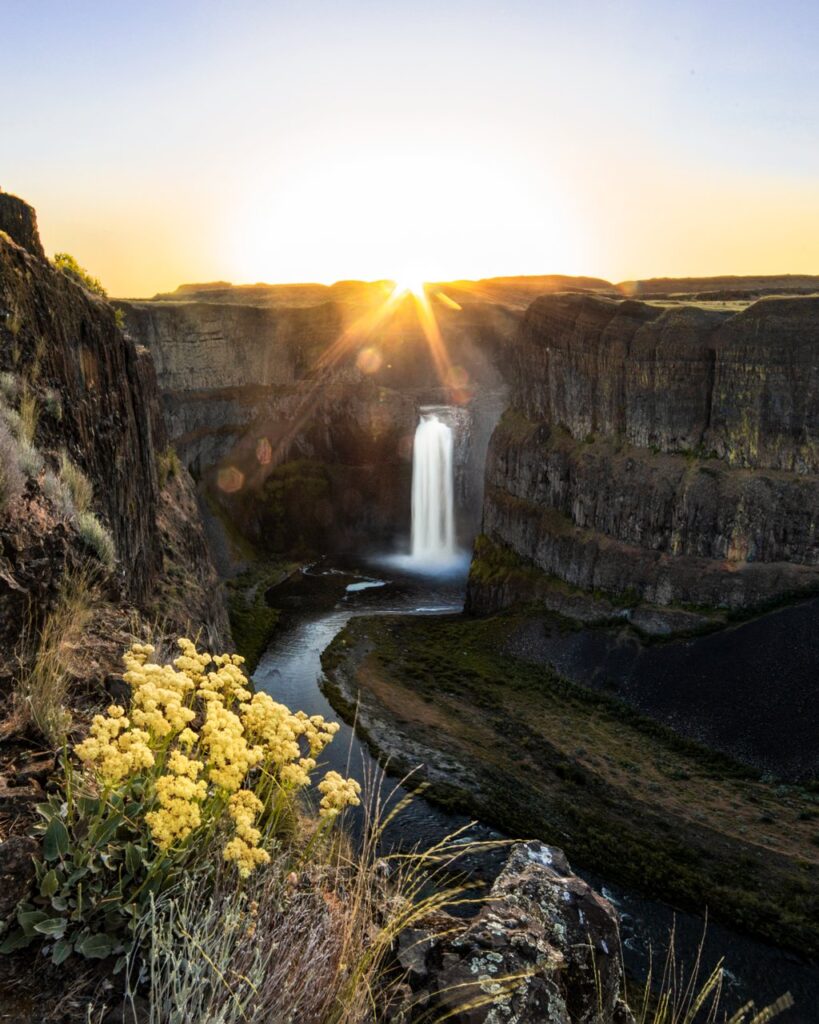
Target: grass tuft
29,415
168,465
12,480
78,484
42,685
309,938
95,536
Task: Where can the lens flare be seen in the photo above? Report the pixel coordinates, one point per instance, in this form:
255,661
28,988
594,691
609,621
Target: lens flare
369,360
410,284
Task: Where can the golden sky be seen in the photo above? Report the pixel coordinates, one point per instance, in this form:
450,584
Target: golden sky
313,141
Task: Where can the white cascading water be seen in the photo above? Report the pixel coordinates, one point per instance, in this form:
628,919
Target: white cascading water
433,499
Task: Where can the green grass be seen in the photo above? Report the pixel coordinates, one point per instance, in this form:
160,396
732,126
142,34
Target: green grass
619,792
252,620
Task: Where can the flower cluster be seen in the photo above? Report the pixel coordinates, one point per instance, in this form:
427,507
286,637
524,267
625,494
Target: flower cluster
244,848
114,749
198,744
337,793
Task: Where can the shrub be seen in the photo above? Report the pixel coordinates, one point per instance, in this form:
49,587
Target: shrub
54,404
12,420
57,492
9,387
95,536
42,686
197,765
11,477
167,465
29,414
30,460
68,265
78,484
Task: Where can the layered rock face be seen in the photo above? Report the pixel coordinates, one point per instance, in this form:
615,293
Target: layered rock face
89,392
299,418
656,478
670,456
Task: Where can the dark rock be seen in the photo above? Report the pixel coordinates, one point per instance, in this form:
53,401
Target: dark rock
65,343
253,380
19,221
545,948
14,790
16,871
671,454
37,768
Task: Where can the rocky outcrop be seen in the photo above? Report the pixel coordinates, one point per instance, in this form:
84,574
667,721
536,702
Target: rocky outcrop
74,385
19,221
668,455
544,948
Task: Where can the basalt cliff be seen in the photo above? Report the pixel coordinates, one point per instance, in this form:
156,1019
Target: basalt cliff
88,483
295,406
656,477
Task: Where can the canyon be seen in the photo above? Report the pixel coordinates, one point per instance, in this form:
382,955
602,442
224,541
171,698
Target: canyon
652,481
635,469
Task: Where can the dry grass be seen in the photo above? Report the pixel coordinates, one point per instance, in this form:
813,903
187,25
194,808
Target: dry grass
684,997
11,476
29,414
46,662
78,484
308,939
96,537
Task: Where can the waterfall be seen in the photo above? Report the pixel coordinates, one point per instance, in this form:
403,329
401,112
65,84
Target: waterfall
433,511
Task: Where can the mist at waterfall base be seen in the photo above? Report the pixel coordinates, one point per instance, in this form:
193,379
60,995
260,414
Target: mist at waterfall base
433,547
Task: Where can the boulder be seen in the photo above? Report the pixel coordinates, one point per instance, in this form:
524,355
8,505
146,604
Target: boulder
544,948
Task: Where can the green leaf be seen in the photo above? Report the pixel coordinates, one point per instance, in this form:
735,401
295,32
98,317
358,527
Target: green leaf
106,830
95,947
62,951
17,940
88,806
27,919
59,902
51,926
50,883
55,840
75,876
133,858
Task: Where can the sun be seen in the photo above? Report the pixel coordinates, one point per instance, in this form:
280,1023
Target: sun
411,284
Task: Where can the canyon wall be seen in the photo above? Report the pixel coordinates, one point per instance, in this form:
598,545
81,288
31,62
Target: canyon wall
295,407
657,475
74,386
667,455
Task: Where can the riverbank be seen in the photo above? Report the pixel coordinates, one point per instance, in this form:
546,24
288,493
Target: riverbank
620,793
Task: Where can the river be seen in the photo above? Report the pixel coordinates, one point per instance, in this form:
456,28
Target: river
318,603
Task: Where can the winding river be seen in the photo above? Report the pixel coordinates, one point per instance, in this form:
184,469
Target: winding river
320,603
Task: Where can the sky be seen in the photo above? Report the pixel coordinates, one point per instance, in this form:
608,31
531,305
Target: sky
169,142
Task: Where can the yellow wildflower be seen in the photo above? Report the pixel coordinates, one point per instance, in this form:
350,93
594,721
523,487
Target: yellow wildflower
245,856
337,793
230,757
179,798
